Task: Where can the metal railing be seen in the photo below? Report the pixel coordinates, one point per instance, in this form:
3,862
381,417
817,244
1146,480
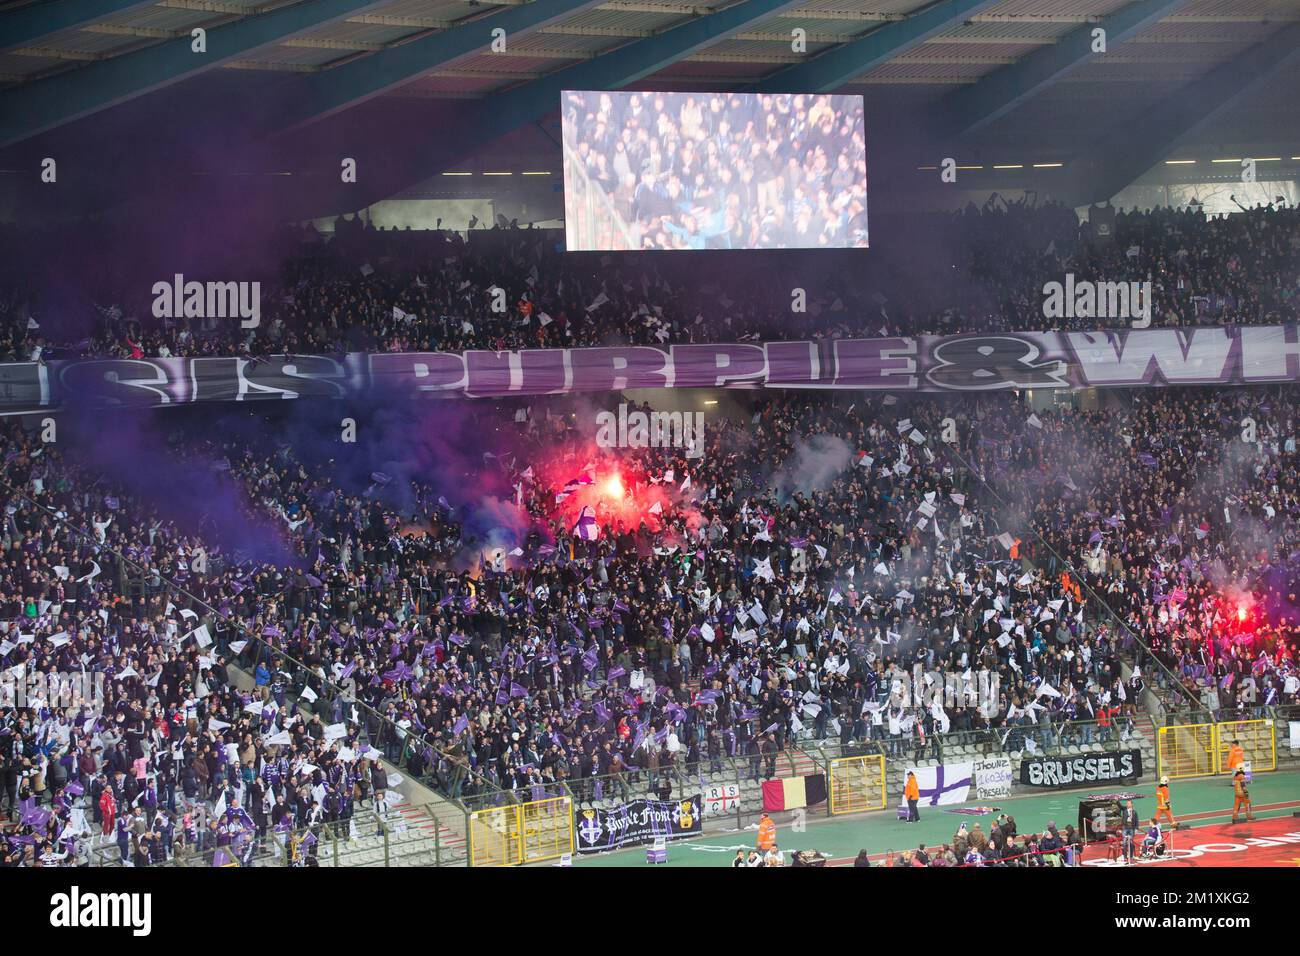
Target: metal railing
677,781
364,840
1051,738
734,780
591,221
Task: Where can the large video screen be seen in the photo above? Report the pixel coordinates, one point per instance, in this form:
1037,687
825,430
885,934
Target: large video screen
713,171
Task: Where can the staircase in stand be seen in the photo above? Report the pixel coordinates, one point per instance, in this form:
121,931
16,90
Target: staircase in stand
448,845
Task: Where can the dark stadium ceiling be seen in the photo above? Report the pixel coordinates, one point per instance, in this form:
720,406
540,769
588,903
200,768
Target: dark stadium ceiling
1174,41
1191,38
1009,80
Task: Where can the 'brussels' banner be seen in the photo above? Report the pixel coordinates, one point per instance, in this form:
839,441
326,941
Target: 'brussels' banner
927,363
640,821
1096,767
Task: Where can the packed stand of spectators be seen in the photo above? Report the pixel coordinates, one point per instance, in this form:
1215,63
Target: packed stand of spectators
799,580
720,608
1183,516
872,579
145,750
981,269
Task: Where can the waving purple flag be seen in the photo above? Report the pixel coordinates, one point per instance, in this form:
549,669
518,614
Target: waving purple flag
35,818
401,672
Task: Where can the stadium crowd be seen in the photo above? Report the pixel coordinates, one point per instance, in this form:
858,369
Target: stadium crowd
569,634
513,620
980,269
1183,519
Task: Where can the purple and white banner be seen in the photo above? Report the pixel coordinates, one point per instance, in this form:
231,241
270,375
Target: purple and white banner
928,363
943,783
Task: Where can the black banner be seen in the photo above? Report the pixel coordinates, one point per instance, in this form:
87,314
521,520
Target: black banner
1075,771
640,821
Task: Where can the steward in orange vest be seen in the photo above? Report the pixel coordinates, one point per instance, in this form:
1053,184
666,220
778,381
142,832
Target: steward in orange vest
1241,796
1163,809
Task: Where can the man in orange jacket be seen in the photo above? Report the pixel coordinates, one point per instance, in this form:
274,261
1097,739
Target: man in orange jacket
1236,756
912,794
766,832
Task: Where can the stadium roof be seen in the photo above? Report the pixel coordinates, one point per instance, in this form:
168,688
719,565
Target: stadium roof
987,72
1166,43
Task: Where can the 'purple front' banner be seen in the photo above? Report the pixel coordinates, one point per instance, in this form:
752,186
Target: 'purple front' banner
927,363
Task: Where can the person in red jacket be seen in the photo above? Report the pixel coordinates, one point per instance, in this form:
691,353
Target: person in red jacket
1103,722
108,811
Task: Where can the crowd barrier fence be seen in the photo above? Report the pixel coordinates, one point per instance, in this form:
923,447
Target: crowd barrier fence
855,784
1201,750
528,832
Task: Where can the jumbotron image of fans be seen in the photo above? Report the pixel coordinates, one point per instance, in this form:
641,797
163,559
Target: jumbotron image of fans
683,171
459,434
